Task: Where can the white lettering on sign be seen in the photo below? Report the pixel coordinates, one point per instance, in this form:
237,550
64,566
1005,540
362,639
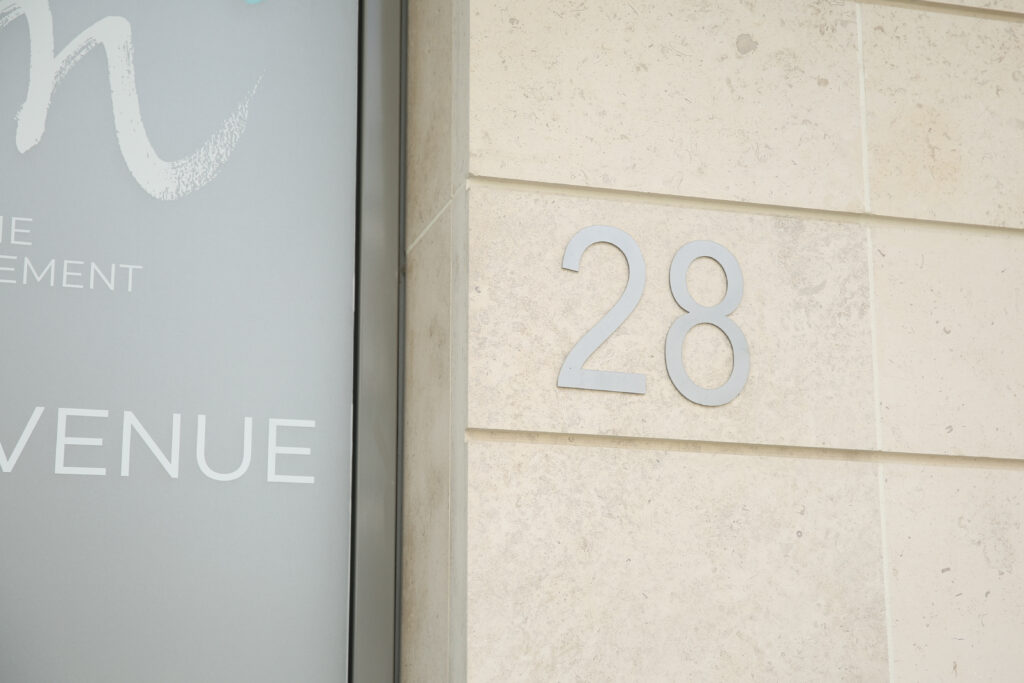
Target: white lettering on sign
63,441
7,463
10,231
162,179
19,269
132,424
274,450
133,431
204,466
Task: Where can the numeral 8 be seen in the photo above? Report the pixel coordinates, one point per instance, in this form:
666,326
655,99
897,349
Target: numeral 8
711,315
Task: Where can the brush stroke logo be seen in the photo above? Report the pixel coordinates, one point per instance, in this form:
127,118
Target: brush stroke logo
162,179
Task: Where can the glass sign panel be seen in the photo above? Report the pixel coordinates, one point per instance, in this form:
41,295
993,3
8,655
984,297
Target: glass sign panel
177,262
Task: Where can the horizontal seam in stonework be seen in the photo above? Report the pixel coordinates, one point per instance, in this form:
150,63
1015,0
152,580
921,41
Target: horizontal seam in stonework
946,8
477,435
435,219
724,205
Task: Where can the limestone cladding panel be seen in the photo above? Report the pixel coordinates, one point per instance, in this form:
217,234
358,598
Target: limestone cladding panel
956,543
429,113
945,115
805,313
755,102
426,532
599,564
950,316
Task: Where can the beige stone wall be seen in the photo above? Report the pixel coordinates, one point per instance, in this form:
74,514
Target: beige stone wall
857,512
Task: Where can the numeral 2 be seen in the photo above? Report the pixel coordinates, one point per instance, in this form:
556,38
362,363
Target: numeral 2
572,374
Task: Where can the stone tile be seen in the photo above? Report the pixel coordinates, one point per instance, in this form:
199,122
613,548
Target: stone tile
429,113
804,312
746,101
950,317
945,115
426,494
600,564
459,402
460,99
956,543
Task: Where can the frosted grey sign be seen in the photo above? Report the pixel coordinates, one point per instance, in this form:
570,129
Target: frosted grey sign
177,247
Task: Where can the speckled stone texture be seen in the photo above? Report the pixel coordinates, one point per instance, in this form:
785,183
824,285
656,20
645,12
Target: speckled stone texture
429,113
805,314
950,311
754,102
598,564
945,115
738,544
426,519
954,538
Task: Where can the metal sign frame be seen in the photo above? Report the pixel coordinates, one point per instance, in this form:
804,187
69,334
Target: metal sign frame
377,471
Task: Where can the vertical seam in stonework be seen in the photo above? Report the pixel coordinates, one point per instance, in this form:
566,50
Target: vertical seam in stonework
453,84
457,466
452,493
459,111
875,390
876,408
450,582
885,572
865,176
459,257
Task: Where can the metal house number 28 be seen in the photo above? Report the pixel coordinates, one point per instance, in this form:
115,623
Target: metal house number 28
573,374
